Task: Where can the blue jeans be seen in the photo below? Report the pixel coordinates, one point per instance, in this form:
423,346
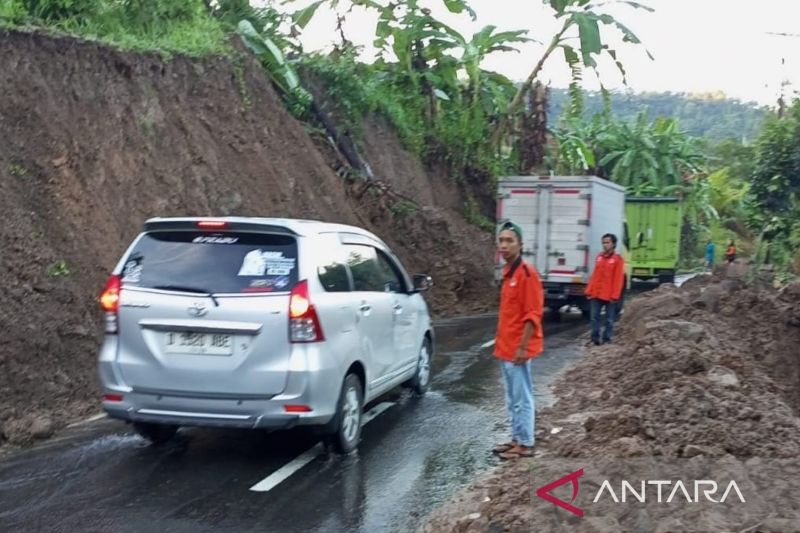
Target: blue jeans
611,313
519,401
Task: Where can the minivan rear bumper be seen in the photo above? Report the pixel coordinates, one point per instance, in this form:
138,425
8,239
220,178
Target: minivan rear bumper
313,381
196,418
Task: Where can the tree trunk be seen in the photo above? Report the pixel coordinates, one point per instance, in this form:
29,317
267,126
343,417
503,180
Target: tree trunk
343,142
502,124
533,137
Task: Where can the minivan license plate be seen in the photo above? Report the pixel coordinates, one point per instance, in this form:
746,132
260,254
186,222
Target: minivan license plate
187,342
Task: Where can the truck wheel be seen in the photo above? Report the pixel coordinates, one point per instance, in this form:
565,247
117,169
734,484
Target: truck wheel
155,433
666,278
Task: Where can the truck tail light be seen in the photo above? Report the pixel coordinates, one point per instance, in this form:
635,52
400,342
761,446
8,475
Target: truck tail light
109,302
304,325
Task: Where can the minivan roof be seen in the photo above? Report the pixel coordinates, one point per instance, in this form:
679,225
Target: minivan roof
296,226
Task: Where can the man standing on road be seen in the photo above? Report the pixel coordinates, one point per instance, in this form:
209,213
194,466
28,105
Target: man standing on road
730,252
605,288
519,339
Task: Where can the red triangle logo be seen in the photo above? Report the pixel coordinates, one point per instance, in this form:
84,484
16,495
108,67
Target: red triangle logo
544,492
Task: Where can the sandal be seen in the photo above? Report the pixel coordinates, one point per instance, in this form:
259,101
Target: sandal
517,452
504,447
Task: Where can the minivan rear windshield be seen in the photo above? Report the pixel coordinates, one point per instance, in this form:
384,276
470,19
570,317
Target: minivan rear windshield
213,262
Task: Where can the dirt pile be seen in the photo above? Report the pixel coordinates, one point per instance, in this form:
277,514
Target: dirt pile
711,369
702,370
93,141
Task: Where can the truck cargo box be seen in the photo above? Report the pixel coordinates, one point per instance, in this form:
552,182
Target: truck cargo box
655,231
563,219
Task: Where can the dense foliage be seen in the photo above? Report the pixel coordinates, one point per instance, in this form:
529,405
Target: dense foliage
428,80
710,116
775,186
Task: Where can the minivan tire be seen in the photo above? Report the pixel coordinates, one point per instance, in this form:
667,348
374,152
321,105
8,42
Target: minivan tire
422,377
347,420
155,433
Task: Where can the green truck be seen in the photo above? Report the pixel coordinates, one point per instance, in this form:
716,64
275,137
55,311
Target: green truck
654,230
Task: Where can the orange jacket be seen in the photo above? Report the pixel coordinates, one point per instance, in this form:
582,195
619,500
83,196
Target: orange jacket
607,279
521,300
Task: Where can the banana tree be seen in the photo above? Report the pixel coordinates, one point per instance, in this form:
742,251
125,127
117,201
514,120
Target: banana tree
696,201
483,43
581,17
642,153
389,11
575,151
277,66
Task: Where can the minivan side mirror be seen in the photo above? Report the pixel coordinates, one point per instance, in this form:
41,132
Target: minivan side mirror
422,283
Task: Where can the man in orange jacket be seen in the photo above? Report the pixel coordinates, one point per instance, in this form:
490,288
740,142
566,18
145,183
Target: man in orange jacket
519,339
605,288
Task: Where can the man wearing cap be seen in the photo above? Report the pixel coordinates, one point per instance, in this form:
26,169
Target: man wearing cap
519,339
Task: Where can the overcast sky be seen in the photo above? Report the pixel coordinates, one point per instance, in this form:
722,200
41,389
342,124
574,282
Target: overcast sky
698,45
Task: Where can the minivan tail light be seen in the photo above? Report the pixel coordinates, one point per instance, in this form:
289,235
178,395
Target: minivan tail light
109,299
304,325
109,302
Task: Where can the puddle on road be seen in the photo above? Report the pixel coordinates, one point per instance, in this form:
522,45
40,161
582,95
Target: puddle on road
472,376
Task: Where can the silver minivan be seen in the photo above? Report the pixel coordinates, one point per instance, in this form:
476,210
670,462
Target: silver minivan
259,323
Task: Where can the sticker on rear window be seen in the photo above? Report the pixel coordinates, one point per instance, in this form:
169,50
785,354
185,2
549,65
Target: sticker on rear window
277,265
132,272
260,263
260,285
215,239
267,284
253,264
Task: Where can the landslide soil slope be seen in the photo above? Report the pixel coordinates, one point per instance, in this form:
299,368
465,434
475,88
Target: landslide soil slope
708,370
93,141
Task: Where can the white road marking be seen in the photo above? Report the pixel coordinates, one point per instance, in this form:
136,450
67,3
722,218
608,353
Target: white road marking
487,344
281,474
376,411
284,472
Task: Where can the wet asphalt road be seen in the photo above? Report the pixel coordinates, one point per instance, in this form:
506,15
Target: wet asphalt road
413,456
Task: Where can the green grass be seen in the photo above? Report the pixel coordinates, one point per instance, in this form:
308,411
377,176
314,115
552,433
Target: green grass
167,30
192,38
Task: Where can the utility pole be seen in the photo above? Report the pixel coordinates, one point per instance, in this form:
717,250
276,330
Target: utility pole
785,80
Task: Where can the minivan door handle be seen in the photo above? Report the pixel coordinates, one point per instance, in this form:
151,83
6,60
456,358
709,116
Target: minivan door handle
398,309
365,307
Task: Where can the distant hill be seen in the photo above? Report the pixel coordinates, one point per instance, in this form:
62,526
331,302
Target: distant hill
712,116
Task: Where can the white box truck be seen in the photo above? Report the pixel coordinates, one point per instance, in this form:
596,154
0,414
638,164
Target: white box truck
563,219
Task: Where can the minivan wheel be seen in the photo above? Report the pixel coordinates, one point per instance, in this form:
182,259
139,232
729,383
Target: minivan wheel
155,433
347,427
422,379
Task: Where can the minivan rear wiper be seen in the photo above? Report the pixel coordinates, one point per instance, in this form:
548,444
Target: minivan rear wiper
183,288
